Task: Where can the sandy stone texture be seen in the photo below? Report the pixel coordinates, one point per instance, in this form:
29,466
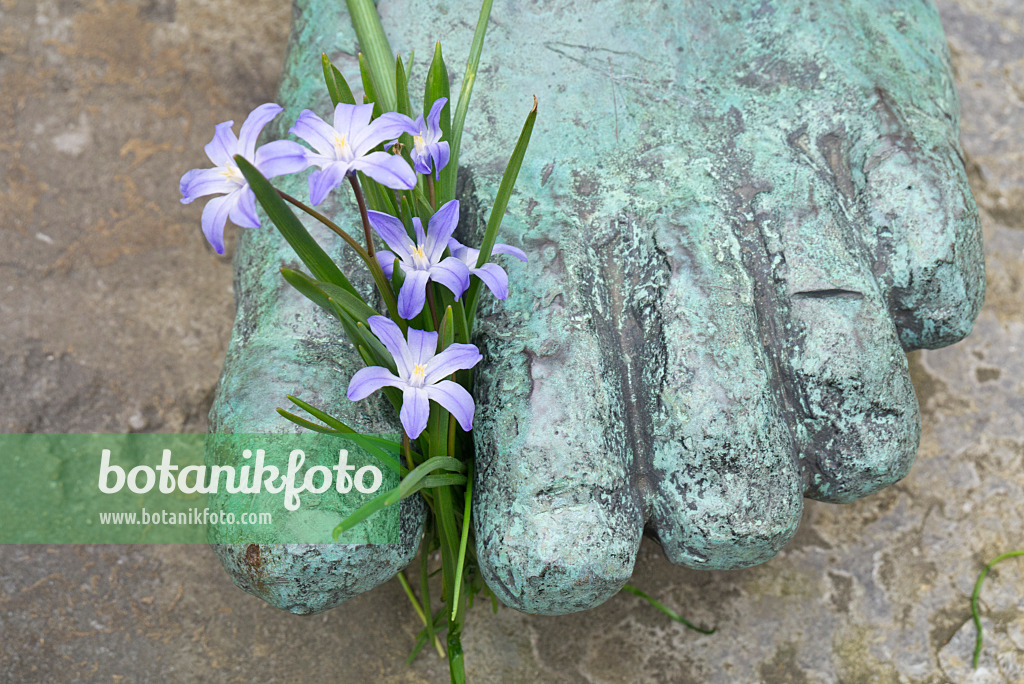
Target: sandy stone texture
114,316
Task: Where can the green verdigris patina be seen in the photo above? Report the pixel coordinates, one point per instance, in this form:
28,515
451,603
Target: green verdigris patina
738,216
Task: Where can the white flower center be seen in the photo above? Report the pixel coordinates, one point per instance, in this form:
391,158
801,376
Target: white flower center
233,174
419,259
341,148
421,147
419,376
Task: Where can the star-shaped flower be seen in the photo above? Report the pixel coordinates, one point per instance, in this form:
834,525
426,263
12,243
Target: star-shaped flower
421,260
421,374
273,159
346,147
427,147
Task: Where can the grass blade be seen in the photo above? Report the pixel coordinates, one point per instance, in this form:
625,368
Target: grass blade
629,589
974,602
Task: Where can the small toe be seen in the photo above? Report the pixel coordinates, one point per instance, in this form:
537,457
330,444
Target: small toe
924,228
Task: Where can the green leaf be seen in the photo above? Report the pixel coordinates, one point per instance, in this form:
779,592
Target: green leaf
438,85
508,181
352,304
402,87
459,315
312,290
302,422
320,265
385,450
432,481
410,485
374,43
450,172
456,606
337,86
369,87
446,330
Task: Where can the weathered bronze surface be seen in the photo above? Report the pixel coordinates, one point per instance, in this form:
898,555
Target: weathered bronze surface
738,217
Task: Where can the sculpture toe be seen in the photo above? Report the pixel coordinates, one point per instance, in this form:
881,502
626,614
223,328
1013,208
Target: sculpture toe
928,242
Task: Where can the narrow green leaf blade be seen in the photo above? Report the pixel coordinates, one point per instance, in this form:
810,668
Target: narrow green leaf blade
438,85
337,86
302,422
450,172
320,265
402,87
374,43
508,181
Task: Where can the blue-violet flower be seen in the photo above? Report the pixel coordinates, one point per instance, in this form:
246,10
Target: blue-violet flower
421,261
427,146
421,374
272,159
346,147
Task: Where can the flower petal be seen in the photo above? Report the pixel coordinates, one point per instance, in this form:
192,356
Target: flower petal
351,121
510,250
316,132
387,126
455,398
413,294
434,117
390,335
368,380
415,411
387,169
453,274
224,145
281,157
252,127
495,278
440,153
386,260
442,224
417,227
422,346
462,252
420,163
243,214
392,232
453,358
322,181
215,215
199,182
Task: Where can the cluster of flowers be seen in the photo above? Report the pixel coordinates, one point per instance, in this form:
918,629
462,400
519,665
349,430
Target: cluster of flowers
353,143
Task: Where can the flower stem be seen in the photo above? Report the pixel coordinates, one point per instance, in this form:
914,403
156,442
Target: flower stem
361,201
430,191
408,451
433,306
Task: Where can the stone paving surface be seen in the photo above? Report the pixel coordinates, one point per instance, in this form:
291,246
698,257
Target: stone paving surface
114,316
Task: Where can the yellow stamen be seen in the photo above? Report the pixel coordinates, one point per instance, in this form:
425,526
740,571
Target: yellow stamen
340,143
